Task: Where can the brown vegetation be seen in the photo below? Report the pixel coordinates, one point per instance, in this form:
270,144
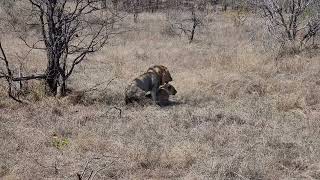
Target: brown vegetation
241,113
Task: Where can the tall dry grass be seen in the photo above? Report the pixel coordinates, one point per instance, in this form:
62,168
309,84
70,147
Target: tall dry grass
240,114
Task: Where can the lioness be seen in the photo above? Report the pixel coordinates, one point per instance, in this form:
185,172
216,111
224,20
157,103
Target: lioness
150,81
164,92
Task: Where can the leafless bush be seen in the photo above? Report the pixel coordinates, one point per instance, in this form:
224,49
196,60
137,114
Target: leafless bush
70,30
169,31
11,14
239,17
294,24
234,4
186,20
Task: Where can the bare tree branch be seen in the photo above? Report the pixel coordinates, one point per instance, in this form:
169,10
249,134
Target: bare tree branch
71,30
9,75
294,22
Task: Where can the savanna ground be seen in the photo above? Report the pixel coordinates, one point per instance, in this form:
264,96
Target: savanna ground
240,113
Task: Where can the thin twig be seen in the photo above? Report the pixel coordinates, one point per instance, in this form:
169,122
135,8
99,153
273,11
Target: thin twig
119,109
95,87
103,168
86,166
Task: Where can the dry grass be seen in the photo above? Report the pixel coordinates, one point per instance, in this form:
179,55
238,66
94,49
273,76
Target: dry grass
240,113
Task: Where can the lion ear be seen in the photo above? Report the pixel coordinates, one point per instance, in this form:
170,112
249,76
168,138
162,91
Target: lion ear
165,69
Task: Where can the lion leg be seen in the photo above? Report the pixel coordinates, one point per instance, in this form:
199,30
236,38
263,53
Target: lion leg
154,95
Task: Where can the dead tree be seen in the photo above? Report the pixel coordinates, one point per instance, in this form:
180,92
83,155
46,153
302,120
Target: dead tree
186,20
195,22
293,22
70,30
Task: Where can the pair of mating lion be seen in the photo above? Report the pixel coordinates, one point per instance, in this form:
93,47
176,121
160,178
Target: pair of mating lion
156,81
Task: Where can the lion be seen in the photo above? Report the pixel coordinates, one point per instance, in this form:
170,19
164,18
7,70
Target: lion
148,82
164,92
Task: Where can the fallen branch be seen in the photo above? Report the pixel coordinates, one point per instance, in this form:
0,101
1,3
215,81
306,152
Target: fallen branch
93,173
25,78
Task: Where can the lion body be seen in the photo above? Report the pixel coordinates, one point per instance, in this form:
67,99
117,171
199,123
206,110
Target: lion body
148,82
140,86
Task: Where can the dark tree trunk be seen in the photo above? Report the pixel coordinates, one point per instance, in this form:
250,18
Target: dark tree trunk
54,47
157,5
150,8
136,11
61,88
52,73
224,6
60,29
195,23
192,32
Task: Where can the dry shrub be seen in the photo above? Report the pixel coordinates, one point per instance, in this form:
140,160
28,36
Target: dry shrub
4,170
282,84
240,114
238,17
36,91
88,142
180,156
110,97
288,155
87,98
3,104
313,95
75,97
168,31
236,86
290,102
293,65
256,89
